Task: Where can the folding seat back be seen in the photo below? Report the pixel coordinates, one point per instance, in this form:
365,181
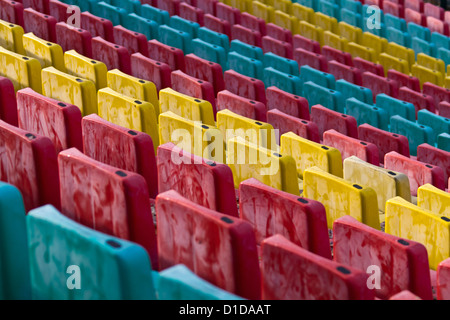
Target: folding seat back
350,90
132,40
285,123
300,220
327,119
246,35
335,41
58,121
12,11
228,13
390,62
11,37
435,156
158,15
263,11
367,113
195,138
175,38
419,173
205,70
236,256
150,70
48,54
247,49
307,154
121,148
242,106
86,68
251,22
396,107
360,201
387,184
290,104
304,43
70,38
276,46
245,65
85,253
433,199
40,24
8,103
97,26
310,277
161,52
404,219
29,163
248,160
112,55
368,66
281,64
243,86
318,95
126,215
388,253
353,34
379,85
128,112
215,24
214,38
404,80
342,71
199,180
210,52
284,81
416,133
191,13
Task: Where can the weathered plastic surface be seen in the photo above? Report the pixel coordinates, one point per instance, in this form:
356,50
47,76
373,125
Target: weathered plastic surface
205,70
433,199
379,85
70,38
307,44
352,147
312,59
249,36
151,70
196,138
404,219
339,56
12,11
193,87
290,272
11,37
435,156
86,68
367,66
232,125
367,113
180,283
133,87
342,71
284,81
419,100
248,160
112,55
416,133
404,80
243,86
24,71
171,56
341,197
199,180
320,78
224,248
109,268
403,264
133,41
69,89
281,48
42,25
107,199
419,173
47,53
128,112
387,184
242,106
271,211
327,119
439,124
15,272
97,26
288,103
28,161
121,148
50,118
404,295
307,154
285,123
327,98
384,140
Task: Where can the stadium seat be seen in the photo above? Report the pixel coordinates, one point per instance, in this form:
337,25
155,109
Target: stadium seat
173,57
314,277
433,199
133,41
40,24
285,102
244,86
405,220
416,133
367,113
112,55
327,119
328,98
238,258
286,123
242,106
86,68
150,70
97,26
199,180
396,107
8,103
52,235
70,38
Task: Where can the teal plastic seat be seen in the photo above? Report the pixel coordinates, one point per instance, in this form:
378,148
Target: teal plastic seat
394,22
147,27
283,81
350,90
444,54
423,46
129,6
353,6
247,50
367,113
212,37
244,65
281,64
400,37
318,77
316,94
158,15
105,10
443,141
420,32
309,3
437,123
71,262
14,266
351,17
396,107
210,52
179,23
175,38
440,40
416,133
329,8
180,283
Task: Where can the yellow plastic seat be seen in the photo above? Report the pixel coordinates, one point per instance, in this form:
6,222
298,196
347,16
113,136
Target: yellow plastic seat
11,37
47,53
87,68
